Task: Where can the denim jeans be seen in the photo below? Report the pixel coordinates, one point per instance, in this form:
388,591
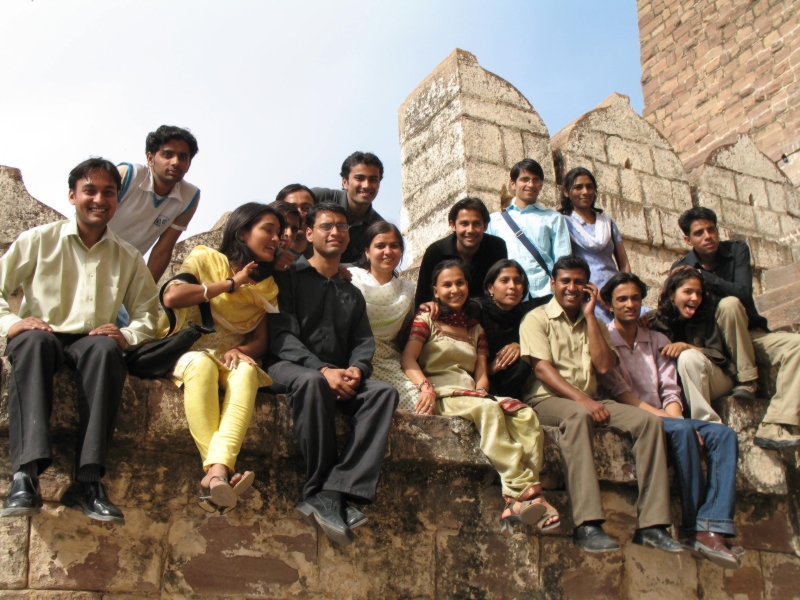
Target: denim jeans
707,505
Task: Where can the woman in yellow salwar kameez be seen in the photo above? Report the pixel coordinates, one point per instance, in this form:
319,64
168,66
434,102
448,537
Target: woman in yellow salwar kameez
233,280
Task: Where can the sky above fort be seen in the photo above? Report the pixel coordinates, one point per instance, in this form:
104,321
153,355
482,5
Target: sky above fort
279,93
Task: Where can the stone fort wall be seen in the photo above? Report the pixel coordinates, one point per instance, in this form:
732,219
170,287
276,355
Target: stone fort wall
714,69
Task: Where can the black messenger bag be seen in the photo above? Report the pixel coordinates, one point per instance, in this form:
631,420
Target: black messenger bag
156,359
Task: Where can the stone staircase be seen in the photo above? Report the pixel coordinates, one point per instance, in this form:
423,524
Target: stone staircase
780,303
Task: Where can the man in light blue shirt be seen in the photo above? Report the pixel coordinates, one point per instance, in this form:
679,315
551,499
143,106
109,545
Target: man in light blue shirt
545,228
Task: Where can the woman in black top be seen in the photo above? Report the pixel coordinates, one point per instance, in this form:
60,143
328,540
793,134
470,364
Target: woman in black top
500,312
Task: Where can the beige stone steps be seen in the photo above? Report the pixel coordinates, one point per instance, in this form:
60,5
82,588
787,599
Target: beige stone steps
789,292
782,276
152,419
785,317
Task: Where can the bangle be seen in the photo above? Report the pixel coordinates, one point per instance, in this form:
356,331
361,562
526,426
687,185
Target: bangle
427,392
205,292
426,382
239,348
484,389
233,284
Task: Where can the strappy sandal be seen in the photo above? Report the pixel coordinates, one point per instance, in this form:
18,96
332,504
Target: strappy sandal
219,496
549,513
244,484
530,512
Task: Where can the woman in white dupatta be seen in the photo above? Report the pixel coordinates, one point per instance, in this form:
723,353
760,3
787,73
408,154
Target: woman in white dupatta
595,237
390,304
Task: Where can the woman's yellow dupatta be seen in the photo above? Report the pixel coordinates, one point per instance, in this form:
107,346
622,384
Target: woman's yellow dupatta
240,311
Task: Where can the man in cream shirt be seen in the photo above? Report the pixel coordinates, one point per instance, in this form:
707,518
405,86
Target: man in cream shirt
75,275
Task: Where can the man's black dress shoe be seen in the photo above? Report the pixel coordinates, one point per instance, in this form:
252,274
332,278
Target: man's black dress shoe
592,538
326,510
22,499
658,538
354,517
91,499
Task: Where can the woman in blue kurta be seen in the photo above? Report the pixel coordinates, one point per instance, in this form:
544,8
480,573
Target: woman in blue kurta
595,237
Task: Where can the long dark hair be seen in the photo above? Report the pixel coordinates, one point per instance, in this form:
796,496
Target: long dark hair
569,180
497,268
667,311
242,220
374,231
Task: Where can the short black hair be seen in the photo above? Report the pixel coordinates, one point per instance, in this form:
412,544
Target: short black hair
82,171
159,137
291,189
475,204
311,216
569,262
285,209
360,158
695,214
526,164
607,293
494,272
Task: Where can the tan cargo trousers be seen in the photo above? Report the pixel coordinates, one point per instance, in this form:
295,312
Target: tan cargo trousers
780,349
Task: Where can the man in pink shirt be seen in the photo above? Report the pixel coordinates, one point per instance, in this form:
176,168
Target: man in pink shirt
646,377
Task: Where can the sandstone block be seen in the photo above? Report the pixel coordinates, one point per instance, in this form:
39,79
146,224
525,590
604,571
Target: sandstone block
657,191
739,415
568,572
588,143
503,115
709,200
631,185
608,178
482,141
668,165
744,157
673,236
768,254
751,190
513,150
436,160
681,196
723,584
776,195
435,127
762,523
68,551
657,575
14,552
626,153
781,574
768,223
19,209
629,216
50,595
431,96
759,470
485,181
538,148
715,180
738,216
789,224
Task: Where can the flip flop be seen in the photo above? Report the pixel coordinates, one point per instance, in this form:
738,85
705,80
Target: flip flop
221,494
244,484
549,513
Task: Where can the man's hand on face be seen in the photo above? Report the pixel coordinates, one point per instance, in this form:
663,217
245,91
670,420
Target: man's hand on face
592,294
113,332
338,383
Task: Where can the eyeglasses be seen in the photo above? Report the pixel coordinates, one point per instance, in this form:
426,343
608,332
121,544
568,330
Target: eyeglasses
326,227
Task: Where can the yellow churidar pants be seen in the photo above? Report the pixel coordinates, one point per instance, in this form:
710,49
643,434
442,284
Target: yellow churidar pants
218,430
513,442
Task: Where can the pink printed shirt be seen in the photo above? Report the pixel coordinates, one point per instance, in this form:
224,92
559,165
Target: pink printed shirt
642,370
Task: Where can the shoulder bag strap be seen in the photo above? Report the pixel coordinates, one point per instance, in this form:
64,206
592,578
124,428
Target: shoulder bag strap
523,239
205,308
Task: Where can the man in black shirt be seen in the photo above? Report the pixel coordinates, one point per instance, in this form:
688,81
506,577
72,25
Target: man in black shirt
725,267
322,347
361,173
469,241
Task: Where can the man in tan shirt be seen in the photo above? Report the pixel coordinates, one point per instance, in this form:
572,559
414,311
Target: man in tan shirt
566,345
74,274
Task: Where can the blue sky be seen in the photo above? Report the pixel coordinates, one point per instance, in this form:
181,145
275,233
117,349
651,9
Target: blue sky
278,93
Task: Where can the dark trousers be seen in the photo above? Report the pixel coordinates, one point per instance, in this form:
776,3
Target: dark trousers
100,371
356,470
510,380
708,505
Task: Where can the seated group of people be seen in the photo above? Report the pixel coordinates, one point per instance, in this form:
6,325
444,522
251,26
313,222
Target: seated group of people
519,318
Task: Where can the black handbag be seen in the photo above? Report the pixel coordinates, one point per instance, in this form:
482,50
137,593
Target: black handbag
154,360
